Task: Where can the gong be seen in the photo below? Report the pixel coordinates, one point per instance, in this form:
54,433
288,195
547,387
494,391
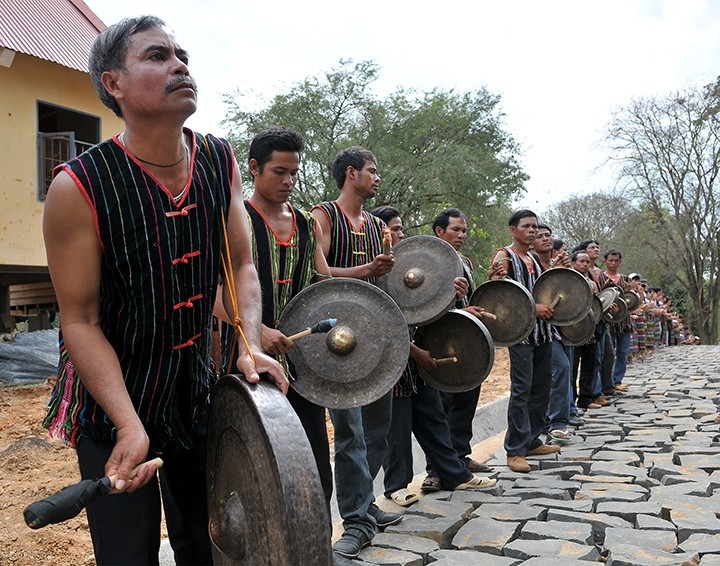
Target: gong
597,307
567,291
632,299
421,281
361,358
511,310
620,314
580,332
607,297
265,500
464,345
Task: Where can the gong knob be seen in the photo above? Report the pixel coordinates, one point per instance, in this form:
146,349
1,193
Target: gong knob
227,526
341,340
414,277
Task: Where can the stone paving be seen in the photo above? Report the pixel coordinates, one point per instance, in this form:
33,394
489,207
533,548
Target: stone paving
638,485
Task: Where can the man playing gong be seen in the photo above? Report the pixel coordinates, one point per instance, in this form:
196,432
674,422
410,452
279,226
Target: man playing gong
531,359
352,243
284,246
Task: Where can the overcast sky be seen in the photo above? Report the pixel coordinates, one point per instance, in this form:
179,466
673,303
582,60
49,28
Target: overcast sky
560,67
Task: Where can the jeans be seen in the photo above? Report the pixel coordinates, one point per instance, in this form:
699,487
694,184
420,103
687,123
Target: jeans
421,414
558,411
604,361
460,410
360,446
530,378
622,348
572,386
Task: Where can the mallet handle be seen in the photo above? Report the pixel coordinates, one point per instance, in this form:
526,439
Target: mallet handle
443,361
300,334
489,315
157,461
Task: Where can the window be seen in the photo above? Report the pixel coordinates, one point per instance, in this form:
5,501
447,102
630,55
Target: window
62,135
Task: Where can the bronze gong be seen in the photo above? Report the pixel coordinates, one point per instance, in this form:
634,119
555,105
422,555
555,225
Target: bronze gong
620,313
463,339
265,501
567,291
580,332
607,297
632,299
597,307
421,281
361,358
512,308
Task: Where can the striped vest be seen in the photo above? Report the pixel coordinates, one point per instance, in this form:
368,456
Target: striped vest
159,274
517,270
350,247
284,269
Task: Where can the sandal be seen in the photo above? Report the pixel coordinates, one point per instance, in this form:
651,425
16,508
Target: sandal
477,482
404,497
430,483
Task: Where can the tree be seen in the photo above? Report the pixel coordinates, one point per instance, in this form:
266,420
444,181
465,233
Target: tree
668,149
435,149
598,215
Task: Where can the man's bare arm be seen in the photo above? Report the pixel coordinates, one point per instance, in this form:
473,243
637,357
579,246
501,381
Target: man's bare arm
74,259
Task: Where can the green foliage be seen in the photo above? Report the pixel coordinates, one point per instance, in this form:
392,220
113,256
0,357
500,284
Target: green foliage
435,149
669,152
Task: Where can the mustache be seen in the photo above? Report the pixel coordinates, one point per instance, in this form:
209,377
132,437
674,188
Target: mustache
181,81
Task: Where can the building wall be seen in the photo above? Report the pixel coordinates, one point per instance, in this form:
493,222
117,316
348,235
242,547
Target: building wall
27,81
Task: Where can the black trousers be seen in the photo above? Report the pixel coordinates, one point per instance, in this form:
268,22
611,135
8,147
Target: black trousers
312,418
125,528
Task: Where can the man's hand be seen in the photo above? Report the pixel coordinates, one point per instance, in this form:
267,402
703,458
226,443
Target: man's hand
425,362
263,364
544,311
477,312
461,287
561,260
497,269
381,265
130,450
275,342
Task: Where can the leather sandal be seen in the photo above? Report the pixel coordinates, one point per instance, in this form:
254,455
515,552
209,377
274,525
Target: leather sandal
430,484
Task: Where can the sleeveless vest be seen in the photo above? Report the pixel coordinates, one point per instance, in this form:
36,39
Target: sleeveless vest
159,273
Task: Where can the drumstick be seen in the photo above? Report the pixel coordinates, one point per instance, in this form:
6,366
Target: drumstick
68,502
555,301
387,241
322,326
489,315
442,361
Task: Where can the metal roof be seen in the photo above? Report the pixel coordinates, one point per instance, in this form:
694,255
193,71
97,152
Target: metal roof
61,31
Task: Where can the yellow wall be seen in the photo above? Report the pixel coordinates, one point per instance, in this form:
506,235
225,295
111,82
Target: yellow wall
22,85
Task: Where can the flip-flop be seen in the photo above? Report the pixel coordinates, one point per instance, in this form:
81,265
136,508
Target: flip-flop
404,497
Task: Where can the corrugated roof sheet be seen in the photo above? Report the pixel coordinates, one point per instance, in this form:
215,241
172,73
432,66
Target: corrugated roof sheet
61,31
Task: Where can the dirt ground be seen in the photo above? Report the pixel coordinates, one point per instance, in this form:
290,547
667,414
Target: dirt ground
34,466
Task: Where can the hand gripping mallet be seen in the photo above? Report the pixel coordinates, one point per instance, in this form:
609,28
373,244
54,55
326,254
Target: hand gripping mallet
68,502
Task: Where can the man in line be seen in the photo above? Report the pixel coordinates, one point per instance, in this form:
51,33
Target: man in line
417,409
604,354
558,414
287,258
584,355
620,332
134,229
531,360
450,225
352,243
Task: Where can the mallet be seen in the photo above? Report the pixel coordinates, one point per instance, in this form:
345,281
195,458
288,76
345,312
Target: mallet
68,502
322,326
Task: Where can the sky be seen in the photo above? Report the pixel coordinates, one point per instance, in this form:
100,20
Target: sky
560,67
